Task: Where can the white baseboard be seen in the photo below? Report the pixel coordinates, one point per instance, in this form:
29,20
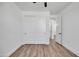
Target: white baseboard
13,50
37,42
72,50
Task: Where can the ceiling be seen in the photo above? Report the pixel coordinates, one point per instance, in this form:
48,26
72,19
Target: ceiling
53,7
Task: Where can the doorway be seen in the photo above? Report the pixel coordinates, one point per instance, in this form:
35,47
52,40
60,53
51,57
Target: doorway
56,28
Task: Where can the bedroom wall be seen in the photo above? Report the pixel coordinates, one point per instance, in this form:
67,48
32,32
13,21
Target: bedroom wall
10,28
70,27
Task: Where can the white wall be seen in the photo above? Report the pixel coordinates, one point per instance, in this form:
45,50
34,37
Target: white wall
70,27
10,28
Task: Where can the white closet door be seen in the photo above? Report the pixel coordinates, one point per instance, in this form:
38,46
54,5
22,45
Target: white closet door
34,29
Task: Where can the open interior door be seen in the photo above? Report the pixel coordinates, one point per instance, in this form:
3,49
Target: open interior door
59,30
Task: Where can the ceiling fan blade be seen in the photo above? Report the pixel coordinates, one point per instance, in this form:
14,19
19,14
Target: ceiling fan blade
34,2
45,4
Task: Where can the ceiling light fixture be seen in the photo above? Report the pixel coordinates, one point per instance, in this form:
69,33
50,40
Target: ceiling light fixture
45,4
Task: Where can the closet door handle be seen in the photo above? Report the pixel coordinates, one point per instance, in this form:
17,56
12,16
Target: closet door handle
60,33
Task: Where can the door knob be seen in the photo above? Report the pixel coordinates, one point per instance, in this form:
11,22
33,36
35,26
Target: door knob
60,33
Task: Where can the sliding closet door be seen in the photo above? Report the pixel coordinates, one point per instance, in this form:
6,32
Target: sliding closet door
34,30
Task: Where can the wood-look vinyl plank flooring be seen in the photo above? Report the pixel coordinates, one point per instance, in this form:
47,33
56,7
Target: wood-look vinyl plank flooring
41,50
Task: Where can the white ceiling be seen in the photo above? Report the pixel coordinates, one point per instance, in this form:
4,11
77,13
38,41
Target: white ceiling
53,7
